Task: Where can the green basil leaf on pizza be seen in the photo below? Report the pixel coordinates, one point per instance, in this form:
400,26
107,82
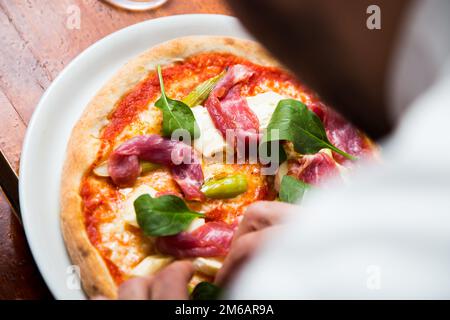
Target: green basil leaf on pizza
292,190
163,216
206,291
176,114
293,121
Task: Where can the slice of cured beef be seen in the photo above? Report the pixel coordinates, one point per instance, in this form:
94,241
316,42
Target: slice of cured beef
229,111
343,134
313,169
213,239
124,168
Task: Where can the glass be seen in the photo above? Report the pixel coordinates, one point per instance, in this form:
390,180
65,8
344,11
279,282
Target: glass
137,5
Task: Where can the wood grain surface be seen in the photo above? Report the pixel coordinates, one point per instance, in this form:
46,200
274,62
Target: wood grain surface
37,40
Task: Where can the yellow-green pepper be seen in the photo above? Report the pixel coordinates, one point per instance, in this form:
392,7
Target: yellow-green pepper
225,187
147,166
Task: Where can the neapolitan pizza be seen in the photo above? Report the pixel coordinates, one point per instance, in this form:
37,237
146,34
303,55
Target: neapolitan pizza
135,197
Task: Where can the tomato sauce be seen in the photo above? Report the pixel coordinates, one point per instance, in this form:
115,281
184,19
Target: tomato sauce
202,66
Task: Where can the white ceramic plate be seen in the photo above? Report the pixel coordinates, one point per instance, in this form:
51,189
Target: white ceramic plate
60,107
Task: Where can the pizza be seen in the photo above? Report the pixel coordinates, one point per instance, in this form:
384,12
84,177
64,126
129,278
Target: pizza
151,173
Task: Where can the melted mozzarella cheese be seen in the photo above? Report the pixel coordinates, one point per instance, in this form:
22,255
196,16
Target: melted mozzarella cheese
195,224
208,266
263,105
281,172
150,265
102,170
128,213
210,141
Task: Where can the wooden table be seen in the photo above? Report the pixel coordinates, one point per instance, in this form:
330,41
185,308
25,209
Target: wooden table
37,40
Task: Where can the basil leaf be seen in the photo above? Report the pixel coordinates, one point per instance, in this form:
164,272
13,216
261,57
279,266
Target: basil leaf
176,114
294,122
163,216
266,154
202,91
292,190
206,291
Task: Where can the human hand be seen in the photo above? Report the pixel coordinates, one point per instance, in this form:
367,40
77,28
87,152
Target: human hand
261,218
168,284
172,281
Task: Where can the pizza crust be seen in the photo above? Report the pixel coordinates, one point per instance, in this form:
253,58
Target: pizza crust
84,144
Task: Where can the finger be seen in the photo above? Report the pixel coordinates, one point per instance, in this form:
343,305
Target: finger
240,251
171,282
135,289
262,214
